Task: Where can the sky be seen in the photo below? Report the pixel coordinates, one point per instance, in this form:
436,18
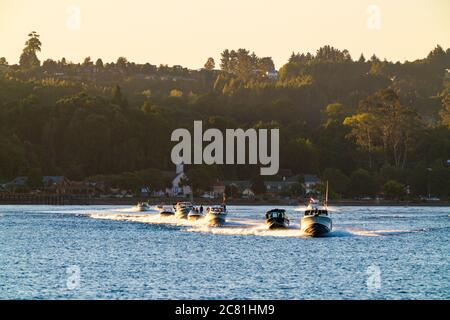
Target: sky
187,32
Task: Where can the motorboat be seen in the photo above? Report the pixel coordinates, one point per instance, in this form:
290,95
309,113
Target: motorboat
195,214
182,209
216,215
165,211
277,219
142,206
316,221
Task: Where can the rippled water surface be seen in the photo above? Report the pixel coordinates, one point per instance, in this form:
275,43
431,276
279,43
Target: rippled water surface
114,252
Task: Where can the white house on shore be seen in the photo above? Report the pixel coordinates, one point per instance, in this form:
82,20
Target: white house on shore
177,189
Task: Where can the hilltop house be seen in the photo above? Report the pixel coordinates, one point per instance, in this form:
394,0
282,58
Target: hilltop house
272,75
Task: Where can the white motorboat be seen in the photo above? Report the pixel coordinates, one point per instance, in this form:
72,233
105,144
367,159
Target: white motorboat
216,215
195,214
316,221
165,211
182,209
143,206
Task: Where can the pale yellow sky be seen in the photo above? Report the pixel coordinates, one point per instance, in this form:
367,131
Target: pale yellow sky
186,32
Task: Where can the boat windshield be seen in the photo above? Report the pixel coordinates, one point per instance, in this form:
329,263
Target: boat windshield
275,214
184,204
315,212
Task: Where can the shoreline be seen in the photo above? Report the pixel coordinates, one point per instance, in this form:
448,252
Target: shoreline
70,200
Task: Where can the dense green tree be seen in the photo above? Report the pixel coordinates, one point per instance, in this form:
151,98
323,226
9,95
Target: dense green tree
232,191
445,112
383,123
393,189
28,58
99,63
87,62
200,179
122,63
210,64
337,180
258,186
362,183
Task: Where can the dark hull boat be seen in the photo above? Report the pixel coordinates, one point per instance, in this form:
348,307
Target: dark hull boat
166,213
277,219
277,223
216,220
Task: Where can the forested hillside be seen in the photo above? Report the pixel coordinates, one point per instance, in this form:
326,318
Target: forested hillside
354,121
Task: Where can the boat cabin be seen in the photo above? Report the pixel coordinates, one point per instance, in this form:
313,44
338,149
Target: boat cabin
276,214
215,209
316,212
313,209
184,204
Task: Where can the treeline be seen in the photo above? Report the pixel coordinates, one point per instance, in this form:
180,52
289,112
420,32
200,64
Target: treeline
359,123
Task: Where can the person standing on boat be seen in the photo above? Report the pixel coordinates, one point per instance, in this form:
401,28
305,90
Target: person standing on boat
224,200
201,209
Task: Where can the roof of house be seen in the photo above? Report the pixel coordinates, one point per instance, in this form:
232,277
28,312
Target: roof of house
285,173
279,183
52,179
311,178
241,184
20,181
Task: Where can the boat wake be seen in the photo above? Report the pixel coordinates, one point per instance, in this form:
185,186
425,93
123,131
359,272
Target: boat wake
234,226
373,233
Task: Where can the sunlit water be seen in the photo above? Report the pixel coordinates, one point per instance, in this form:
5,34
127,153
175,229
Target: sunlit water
372,253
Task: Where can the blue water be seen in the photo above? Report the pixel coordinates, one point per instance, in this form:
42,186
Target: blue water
113,252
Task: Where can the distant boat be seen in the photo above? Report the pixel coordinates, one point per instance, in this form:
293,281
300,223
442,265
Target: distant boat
216,215
277,219
195,215
143,206
316,221
182,209
165,211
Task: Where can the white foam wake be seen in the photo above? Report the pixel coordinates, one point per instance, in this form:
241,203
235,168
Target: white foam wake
233,226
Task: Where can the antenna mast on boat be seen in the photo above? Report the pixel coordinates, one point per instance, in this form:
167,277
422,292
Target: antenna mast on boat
326,196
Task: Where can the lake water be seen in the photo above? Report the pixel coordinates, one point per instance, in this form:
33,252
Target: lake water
114,252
